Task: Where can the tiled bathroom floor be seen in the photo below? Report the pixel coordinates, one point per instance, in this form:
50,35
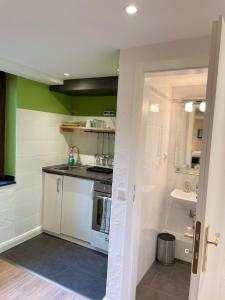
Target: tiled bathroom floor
165,282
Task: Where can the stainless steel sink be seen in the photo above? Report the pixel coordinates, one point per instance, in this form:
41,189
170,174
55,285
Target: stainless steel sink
67,168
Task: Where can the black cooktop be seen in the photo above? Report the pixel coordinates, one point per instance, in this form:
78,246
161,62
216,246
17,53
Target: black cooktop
100,170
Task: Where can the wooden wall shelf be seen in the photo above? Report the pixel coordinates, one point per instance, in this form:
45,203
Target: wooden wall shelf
71,128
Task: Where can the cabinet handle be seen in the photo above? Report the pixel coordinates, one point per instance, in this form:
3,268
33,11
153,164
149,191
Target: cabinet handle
106,239
58,185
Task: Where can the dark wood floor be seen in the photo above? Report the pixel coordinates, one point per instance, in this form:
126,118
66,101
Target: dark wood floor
165,282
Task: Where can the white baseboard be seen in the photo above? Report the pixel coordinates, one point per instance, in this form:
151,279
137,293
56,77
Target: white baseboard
20,239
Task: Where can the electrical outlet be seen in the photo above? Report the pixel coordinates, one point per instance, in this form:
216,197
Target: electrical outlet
109,113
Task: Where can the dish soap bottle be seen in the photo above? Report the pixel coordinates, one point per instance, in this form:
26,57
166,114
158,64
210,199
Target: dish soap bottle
71,160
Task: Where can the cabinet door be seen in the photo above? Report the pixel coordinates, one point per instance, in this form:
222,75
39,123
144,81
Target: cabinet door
52,201
77,208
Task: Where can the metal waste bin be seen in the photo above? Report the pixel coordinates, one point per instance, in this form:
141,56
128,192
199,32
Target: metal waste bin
166,248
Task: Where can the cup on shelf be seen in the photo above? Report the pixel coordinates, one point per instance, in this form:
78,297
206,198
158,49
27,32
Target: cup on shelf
88,124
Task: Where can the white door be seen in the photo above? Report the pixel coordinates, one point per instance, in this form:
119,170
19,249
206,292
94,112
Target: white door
77,208
209,282
52,200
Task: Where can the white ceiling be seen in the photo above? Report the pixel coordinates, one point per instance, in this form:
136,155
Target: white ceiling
184,83
178,78
82,37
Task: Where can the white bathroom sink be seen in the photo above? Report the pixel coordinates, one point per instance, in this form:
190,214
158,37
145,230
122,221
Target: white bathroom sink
181,195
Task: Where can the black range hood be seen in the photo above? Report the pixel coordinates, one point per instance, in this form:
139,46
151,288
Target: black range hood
100,86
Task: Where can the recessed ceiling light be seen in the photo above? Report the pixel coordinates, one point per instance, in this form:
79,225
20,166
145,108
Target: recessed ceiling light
66,74
131,9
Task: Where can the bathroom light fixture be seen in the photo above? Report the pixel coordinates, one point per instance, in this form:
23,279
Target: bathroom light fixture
154,108
66,74
131,9
188,106
202,106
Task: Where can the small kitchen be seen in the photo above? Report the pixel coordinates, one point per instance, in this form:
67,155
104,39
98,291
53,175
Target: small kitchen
64,168
77,195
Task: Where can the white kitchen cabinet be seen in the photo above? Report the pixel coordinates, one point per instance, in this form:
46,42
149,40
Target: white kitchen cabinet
77,208
52,202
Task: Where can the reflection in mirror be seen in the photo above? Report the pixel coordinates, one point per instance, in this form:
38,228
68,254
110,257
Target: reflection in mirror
189,134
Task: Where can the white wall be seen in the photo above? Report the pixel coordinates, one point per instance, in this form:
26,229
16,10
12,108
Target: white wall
177,217
152,173
39,143
177,213
122,269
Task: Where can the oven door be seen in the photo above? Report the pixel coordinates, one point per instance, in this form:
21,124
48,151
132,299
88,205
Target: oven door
98,211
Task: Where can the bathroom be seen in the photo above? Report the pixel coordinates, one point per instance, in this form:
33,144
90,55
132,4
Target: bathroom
170,147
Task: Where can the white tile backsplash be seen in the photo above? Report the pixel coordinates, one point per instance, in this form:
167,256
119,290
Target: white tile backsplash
159,211
90,144
177,213
7,212
39,143
152,177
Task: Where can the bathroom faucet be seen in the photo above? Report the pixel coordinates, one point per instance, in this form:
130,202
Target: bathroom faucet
192,213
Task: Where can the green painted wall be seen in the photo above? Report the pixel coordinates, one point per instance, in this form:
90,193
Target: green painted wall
92,105
28,94
36,96
10,136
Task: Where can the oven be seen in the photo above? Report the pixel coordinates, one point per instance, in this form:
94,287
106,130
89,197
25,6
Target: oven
101,207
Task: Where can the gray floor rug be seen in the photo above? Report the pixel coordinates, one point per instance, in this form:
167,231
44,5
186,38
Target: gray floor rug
75,267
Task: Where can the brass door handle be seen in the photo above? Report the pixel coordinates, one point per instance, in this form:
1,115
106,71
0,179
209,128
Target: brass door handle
206,243
216,242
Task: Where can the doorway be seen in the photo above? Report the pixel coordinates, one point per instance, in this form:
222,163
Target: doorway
167,174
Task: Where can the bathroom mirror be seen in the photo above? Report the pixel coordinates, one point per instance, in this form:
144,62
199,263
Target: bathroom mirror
188,136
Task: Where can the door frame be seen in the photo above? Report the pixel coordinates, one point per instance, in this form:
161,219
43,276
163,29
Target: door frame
134,63
137,124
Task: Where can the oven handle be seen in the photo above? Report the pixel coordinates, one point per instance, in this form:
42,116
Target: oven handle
103,197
